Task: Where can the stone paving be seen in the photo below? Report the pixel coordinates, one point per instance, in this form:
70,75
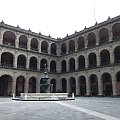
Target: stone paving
62,110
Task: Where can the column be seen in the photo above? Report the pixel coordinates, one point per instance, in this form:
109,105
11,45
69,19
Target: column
27,63
87,87
26,85
68,87
86,41
28,43
111,57
38,64
38,85
17,40
100,86
76,64
86,61
67,66
14,86
58,66
77,87
49,48
76,45
67,48
39,45
97,37
98,59
1,35
110,33
114,84
15,62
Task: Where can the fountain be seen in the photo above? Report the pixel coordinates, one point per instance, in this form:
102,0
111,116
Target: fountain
45,92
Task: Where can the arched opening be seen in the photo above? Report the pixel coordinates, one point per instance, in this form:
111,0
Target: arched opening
34,44
52,66
81,43
53,49
44,47
63,49
117,54
81,62
93,85
92,60
72,64
72,85
6,85
42,64
32,85
118,83
107,84
103,36
91,40
82,80
20,85
23,41
64,85
21,62
116,31
7,59
53,81
105,57
33,63
71,46
9,38
63,66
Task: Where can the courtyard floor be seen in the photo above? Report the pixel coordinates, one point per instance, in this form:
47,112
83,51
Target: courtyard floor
83,108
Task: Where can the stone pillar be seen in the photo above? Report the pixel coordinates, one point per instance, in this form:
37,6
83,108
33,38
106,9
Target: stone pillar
86,41
100,86
76,45
58,66
1,35
28,43
76,64
77,87
97,37
58,49
86,61
114,84
110,33
98,59
67,48
0,59
17,40
14,86
15,62
26,85
38,85
49,48
39,45
27,63
38,64
87,86
68,87
111,57
67,66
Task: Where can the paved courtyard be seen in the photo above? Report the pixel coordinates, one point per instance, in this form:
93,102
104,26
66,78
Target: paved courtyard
83,108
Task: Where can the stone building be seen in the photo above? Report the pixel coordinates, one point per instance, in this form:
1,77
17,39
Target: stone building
86,62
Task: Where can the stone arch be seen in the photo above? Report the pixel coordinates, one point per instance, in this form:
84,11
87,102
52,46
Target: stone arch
63,49
117,54
53,81
81,62
116,31
107,84
81,43
105,57
23,41
72,64
32,85
93,85
20,83
103,36
21,62
34,44
33,63
72,85
63,64
6,85
44,47
91,39
9,38
92,60
82,82
53,66
71,46
64,85
42,64
7,59
53,49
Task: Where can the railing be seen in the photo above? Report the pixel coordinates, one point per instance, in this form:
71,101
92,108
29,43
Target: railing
20,66
6,65
44,51
35,49
8,43
33,68
23,46
105,63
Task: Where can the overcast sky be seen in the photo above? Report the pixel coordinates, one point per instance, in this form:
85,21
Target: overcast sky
57,17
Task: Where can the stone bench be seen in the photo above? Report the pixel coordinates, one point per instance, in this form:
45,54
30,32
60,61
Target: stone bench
44,96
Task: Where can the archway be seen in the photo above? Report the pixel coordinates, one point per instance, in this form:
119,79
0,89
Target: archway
72,85
71,46
20,85
63,69
42,64
32,85
116,31
72,64
53,49
117,54
63,48
23,41
81,62
5,85
82,81
118,83
34,44
107,84
21,61
81,43
53,81
44,47
52,66
33,63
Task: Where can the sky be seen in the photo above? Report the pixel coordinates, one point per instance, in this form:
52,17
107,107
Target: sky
57,17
